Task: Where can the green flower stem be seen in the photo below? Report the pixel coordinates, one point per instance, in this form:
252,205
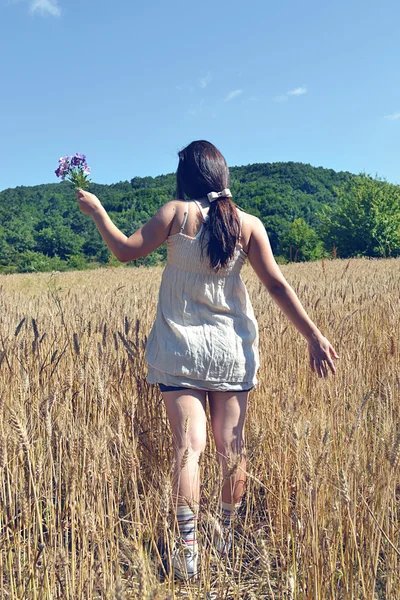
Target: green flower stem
79,179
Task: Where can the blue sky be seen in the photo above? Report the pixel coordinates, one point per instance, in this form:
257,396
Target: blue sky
129,83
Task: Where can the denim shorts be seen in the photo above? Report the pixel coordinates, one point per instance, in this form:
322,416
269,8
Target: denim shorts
171,388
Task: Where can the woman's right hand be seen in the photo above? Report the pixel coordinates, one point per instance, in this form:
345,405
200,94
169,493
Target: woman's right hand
88,203
321,355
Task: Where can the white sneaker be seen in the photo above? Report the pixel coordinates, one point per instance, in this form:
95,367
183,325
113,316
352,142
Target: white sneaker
222,538
184,560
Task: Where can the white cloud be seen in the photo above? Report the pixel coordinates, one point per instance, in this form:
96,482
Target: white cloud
232,95
46,7
299,91
393,117
204,81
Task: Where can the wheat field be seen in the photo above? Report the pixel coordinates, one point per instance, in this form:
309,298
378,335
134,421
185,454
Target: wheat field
86,452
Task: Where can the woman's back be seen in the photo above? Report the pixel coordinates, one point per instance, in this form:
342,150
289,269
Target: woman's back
195,219
186,245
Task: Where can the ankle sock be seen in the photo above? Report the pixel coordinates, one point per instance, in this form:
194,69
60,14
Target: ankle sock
187,519
227,512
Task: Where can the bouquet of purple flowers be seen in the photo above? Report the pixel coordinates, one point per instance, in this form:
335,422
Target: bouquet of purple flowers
75,169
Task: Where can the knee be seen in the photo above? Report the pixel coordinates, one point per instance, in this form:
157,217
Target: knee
194,441
197,442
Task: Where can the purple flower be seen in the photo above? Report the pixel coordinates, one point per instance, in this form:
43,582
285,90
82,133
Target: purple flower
75,169
61,172
79,160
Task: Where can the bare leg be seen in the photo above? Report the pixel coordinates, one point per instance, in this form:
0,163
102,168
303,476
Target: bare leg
228,414
187,417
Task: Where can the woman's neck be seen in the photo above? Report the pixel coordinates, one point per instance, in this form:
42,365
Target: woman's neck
205,203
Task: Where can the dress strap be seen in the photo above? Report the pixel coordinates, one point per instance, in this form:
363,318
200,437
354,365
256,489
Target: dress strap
240,226
185,215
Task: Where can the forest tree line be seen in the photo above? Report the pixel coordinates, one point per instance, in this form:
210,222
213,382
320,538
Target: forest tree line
308,212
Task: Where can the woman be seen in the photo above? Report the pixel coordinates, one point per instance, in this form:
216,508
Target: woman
204,341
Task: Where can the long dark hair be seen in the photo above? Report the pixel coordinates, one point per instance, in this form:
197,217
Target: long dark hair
203,169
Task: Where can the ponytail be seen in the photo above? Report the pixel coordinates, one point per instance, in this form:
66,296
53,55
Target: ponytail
223,232
202,169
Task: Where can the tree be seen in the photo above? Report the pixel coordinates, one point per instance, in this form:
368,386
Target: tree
365,219
4,248
301,242
57,239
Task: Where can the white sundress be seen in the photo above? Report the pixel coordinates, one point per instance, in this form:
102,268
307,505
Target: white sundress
205,334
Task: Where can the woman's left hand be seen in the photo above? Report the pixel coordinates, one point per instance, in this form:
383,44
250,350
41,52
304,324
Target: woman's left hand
88,203
321,354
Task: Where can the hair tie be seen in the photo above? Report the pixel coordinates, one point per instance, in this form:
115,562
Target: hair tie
216,195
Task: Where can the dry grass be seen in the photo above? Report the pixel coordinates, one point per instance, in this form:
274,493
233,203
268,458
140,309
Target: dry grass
85,450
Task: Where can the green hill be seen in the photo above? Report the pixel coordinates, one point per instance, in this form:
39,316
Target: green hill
42,228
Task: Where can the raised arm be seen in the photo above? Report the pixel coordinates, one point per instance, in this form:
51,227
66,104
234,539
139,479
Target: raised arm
263,262
147,238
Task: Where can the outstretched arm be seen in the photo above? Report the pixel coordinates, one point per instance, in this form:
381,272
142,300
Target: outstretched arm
147,238
263,262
